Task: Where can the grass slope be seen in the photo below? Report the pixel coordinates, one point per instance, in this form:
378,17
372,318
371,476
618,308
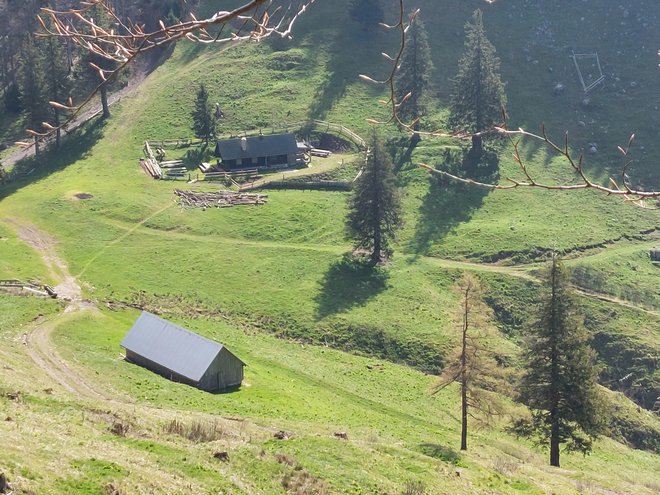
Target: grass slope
397,432
281,268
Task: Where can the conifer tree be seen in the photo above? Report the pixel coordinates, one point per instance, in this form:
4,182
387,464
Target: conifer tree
92,60
559,385
58,82
472,366
204,122
478,92
414,74
368,13
374,208
34,99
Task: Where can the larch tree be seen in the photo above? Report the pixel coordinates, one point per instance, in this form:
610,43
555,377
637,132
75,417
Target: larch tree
472,365
413,79
559,384
204,122
477,96
374,213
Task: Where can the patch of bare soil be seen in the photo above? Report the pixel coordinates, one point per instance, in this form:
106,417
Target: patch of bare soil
68,289
39,346
83,196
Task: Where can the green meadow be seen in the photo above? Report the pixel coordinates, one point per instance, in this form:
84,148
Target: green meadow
330,345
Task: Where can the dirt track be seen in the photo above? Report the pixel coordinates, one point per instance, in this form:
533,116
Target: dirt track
92,111
39,346
42,351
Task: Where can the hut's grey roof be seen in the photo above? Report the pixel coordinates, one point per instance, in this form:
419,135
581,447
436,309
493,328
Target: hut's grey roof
257,146
177,349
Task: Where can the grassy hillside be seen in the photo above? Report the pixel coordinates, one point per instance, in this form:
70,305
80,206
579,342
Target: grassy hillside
132,432
248,275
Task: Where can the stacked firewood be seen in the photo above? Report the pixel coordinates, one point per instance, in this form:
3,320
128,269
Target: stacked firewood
220,199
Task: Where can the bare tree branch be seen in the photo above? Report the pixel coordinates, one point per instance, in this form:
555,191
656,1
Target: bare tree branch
254,20
634,195
583,181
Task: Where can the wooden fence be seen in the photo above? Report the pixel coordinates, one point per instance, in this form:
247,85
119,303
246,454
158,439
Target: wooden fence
320,125
319,185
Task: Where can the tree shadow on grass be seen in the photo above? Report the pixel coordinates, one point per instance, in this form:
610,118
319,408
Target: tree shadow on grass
448,203
195,156
442,452
344,67
349,282
76,146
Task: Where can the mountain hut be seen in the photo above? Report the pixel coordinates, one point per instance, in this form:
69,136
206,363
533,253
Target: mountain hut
181,355
275,150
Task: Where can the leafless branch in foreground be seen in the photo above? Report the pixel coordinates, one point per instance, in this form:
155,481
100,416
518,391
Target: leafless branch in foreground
254,20
630,194
624,190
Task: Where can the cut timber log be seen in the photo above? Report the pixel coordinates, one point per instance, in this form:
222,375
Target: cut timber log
320,153
220,199
205,167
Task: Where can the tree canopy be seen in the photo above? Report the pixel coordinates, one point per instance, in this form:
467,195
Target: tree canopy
472,365
414,74
374,207
478,94
559,384
204,122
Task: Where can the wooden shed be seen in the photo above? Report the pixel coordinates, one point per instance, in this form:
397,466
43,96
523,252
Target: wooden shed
275,150
181,355
655,254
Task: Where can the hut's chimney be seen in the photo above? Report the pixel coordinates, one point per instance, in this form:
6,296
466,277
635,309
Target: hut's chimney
244,144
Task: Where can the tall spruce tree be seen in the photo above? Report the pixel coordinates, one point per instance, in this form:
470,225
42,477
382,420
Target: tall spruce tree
374,207
414,74
478,92
559,384
204,122
368,13
472,365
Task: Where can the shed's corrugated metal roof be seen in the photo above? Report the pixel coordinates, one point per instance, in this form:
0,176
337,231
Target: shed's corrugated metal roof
257,146
171,346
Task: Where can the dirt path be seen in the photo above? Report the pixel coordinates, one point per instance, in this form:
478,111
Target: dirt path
38,340
615,300
40,347
44,355
124,236
92,111
523,271
67,287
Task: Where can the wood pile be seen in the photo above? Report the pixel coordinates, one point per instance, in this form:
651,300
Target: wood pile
29,287
205,167
171,164
220,199
150,165
151,168
175,173
320,153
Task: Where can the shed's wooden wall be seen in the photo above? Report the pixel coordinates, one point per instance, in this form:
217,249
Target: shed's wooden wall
226,371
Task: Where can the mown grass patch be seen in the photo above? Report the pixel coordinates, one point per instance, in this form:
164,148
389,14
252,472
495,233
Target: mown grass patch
18,260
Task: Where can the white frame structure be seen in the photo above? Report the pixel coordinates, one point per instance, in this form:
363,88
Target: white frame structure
599,79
